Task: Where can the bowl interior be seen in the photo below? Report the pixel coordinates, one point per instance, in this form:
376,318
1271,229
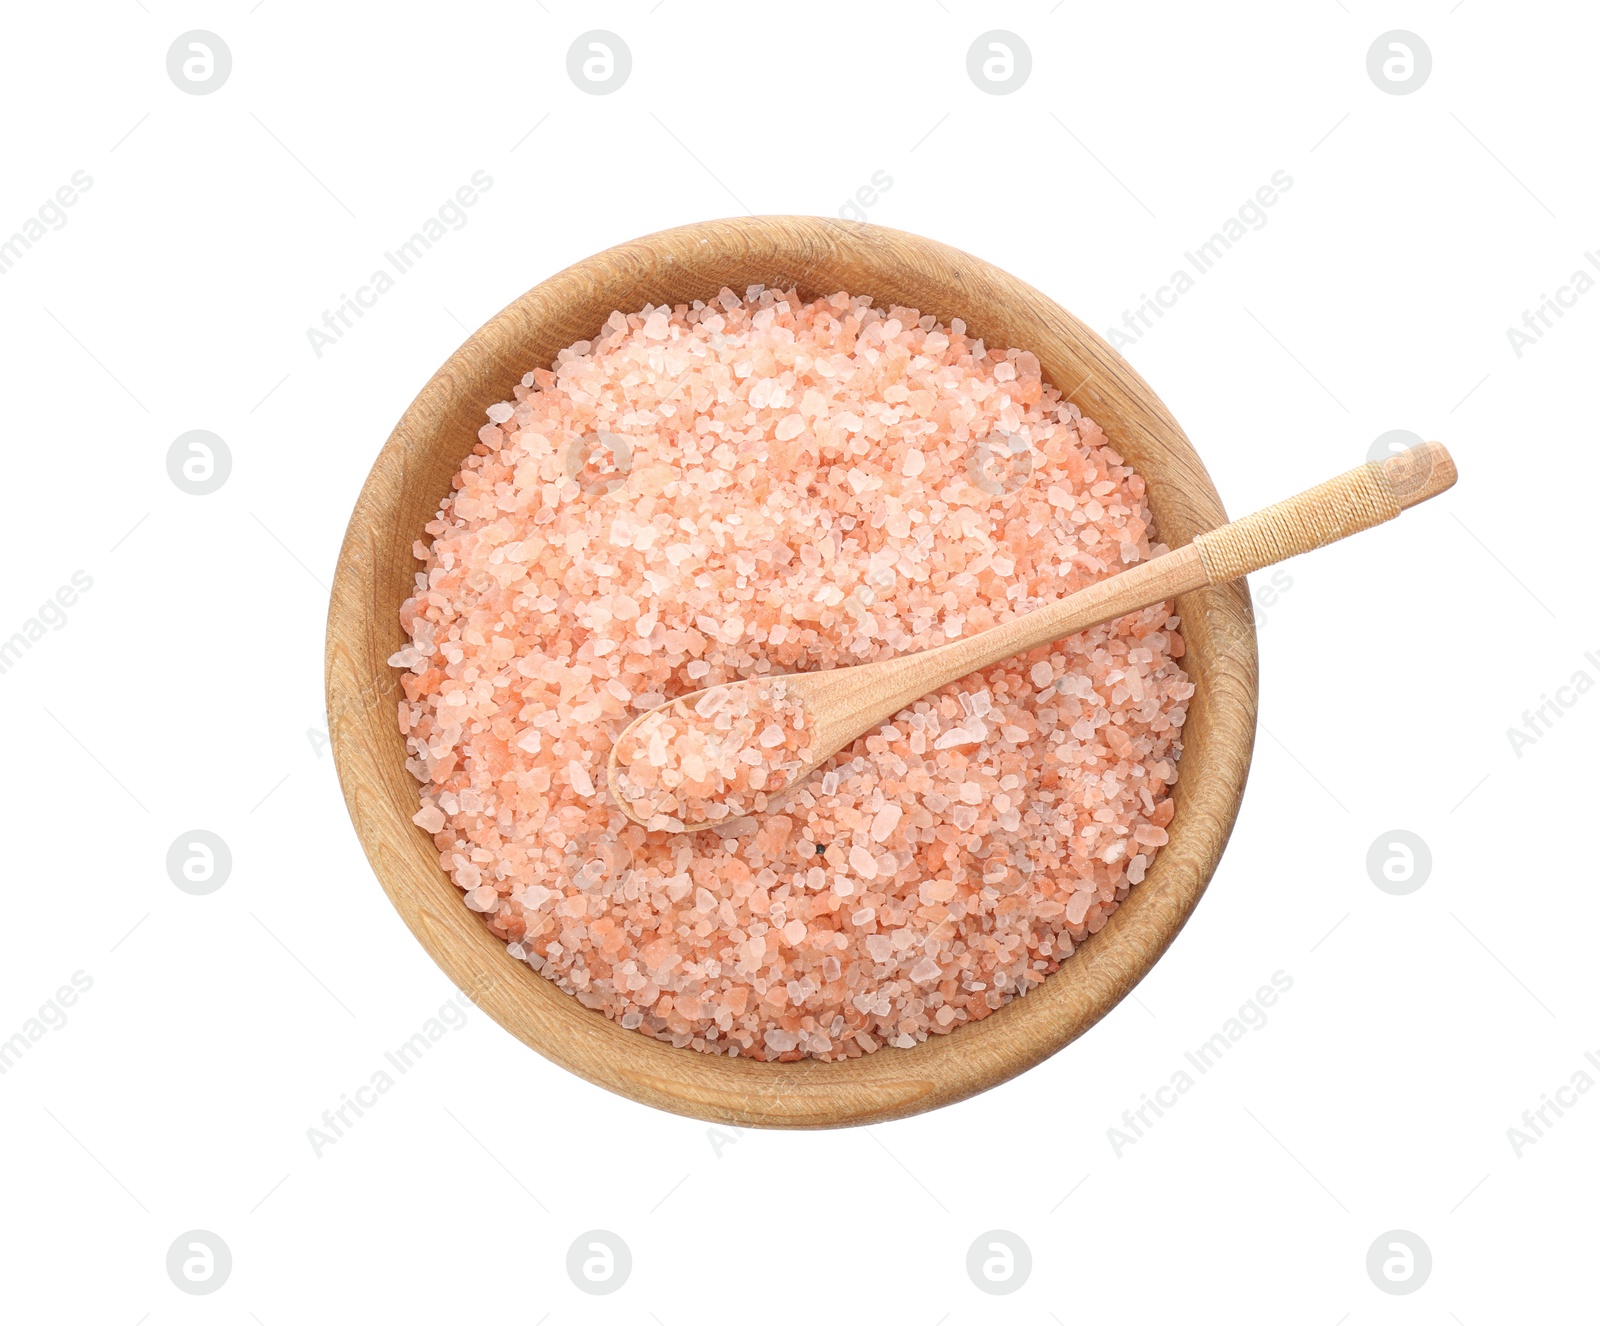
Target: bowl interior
413,472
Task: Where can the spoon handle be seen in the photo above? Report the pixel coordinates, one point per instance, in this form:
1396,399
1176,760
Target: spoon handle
1354,501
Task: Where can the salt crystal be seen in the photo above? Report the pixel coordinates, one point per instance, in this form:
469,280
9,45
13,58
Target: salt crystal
547,615
885,822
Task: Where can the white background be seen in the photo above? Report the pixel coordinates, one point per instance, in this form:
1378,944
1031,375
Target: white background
185,689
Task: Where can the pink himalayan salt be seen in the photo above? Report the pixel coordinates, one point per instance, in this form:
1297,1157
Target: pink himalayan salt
713,758
798,496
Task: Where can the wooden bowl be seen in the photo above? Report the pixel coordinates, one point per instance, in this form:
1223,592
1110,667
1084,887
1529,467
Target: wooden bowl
413,472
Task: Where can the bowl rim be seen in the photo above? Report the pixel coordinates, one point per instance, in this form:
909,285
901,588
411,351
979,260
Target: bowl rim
363,629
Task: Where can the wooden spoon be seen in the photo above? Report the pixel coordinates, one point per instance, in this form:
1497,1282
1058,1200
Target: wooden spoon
842,703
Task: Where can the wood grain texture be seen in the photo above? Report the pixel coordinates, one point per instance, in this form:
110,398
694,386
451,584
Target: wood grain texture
820,257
